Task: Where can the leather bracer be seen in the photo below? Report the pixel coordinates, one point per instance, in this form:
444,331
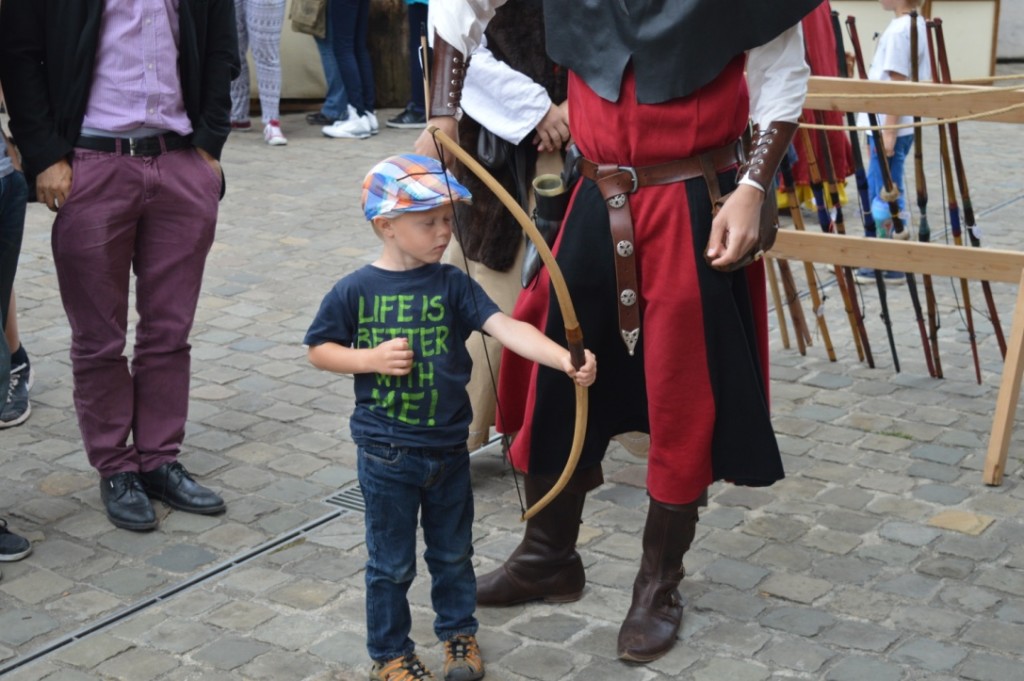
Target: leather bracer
766,150
448,76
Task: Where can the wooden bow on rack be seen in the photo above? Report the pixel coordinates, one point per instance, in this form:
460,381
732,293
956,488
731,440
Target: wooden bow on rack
573,335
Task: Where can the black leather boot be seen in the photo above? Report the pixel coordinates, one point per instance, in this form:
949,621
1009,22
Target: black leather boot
650,628
545,565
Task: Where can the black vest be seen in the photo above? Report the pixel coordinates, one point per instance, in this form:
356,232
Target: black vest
676,46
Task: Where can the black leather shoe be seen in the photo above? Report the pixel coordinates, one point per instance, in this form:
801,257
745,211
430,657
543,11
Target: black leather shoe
126,502
408,119
173,485
319,118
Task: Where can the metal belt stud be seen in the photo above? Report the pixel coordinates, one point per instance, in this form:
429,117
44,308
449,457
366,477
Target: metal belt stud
628,297
624,248
630,338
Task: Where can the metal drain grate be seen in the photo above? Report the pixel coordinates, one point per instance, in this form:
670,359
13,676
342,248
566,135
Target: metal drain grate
350,498
293,536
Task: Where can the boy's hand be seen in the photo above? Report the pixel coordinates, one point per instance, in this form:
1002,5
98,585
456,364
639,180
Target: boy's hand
393,357
586,374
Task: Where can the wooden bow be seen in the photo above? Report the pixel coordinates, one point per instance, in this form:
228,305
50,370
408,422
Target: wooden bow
573,335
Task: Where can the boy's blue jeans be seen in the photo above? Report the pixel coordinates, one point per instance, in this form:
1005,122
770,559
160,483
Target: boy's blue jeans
398,484
896,163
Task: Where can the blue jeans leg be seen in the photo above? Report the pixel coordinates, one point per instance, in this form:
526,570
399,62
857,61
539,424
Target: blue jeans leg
896,164
335,101
417,13
398,485
350,24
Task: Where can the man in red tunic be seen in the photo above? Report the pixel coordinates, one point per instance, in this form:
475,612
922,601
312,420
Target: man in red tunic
653,86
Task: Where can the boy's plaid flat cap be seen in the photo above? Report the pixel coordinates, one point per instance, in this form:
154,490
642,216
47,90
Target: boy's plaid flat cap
409,182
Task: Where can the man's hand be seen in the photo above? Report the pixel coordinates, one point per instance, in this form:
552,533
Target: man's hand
54,184
734,230
392,358
214,163
425,145
553,129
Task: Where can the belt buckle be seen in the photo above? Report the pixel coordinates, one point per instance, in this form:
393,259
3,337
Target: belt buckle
632,173
132,148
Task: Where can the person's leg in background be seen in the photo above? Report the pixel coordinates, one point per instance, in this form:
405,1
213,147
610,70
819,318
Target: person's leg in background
14,405
414,115
349,18
265,20
240,86
13,199
16,408
335,106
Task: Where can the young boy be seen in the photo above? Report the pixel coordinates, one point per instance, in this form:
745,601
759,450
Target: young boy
400,326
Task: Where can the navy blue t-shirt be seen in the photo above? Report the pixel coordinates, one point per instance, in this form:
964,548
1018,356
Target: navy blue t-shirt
433,307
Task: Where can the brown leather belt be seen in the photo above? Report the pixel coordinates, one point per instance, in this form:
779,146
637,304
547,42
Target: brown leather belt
616,183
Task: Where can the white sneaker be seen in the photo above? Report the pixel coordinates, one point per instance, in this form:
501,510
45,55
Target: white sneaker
370,116
272,134
354,127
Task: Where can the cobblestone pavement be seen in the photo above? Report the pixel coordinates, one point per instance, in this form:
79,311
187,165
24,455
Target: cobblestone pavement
882,556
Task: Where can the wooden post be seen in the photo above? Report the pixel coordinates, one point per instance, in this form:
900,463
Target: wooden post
1009,392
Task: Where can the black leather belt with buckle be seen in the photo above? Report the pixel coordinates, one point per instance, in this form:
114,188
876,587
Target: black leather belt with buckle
153,145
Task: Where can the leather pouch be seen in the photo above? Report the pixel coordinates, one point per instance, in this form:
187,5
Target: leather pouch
491,150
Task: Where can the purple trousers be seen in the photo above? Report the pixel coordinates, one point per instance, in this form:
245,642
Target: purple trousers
156,217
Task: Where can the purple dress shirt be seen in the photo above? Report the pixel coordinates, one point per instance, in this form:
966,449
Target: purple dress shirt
136,88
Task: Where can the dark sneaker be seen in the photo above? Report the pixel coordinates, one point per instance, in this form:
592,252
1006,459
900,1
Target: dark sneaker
865,275
126,502
408,668
319,118
15,409
242,126
462,661
173,485
408,119
12,546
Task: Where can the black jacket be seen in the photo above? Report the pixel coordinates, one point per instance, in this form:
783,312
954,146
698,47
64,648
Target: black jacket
47,53
676,46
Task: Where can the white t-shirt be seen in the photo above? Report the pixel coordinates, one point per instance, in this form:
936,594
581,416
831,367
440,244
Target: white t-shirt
893,56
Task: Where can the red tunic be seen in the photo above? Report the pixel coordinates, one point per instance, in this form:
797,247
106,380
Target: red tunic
698,383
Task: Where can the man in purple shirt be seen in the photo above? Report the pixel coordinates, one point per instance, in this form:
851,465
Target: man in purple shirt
120,108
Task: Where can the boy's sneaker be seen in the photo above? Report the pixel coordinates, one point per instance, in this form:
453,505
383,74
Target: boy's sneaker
242,126
12,546
355,127
410,118
272,134
15,409
408,668
462,661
